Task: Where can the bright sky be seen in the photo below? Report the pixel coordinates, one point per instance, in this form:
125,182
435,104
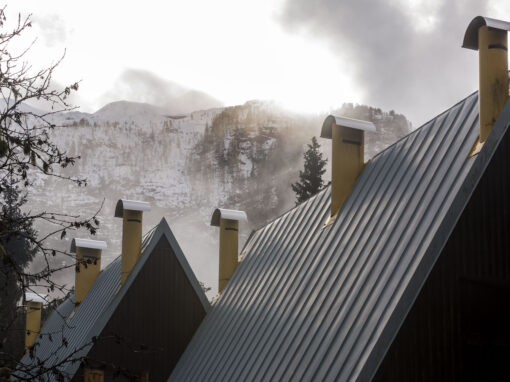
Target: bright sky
233,50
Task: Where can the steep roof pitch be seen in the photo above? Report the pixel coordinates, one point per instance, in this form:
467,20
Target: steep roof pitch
314,303
67,336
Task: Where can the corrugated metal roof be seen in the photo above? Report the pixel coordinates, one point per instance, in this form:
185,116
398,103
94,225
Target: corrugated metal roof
95,310
314,303
74,328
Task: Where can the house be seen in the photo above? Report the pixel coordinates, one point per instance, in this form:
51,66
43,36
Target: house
132,320
398,271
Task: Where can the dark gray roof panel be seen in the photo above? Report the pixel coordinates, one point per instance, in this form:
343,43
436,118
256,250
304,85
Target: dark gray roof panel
311,303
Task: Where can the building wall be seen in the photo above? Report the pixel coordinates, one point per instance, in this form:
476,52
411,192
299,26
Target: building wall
153,323
459,326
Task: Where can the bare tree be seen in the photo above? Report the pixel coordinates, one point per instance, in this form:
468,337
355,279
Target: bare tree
26,148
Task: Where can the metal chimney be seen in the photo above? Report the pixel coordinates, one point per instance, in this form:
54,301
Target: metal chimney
348,146
228,221
131,211
88,266
489,37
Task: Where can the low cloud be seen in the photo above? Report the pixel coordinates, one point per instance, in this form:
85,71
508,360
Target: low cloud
405,55
143,86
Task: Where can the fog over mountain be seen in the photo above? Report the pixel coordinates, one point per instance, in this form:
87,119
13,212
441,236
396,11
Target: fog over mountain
146,87
240,157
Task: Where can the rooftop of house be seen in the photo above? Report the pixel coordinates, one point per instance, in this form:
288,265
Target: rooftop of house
68,335
310,302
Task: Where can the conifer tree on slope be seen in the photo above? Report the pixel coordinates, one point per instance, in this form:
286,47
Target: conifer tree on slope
310,179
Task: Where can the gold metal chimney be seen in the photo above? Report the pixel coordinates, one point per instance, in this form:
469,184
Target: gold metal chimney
88,266
228,221
489,37
348,147
131,211
33,317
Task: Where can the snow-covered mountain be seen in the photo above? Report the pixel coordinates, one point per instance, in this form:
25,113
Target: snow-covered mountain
242,157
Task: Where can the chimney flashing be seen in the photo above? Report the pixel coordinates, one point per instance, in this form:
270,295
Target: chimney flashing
223,213
132,205
327,126
87,243
471,35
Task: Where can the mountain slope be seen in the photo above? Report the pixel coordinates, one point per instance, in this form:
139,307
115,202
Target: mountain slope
242,157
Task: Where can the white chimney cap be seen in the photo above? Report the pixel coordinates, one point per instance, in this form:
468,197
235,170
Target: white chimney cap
471,36
222,213
133,205
35,297
357,124
87,243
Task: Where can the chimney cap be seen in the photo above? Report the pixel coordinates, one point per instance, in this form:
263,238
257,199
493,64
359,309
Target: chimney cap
223,213
35,297
471,36
133,205
87,243
357,124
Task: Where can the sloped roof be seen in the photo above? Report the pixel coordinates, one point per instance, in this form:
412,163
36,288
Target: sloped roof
315,303
97,307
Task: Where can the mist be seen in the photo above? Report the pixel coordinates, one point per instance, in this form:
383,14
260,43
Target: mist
146,87
241,157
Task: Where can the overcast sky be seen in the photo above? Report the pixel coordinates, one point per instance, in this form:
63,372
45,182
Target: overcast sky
308,55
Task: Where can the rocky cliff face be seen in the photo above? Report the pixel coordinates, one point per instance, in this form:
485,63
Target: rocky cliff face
241,157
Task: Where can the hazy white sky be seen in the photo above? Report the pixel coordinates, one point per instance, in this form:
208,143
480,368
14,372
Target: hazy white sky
285,50
233,50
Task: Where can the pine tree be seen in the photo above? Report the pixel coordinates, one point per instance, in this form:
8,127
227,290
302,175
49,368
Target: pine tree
310,179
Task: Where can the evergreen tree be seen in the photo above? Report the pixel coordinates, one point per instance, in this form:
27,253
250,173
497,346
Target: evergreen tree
310,179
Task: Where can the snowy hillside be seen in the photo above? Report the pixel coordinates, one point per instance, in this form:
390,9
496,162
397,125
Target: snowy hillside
242,157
